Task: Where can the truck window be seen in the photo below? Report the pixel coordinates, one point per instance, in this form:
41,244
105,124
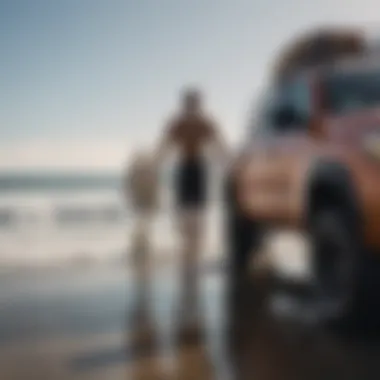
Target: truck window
351,91
260,123
296,97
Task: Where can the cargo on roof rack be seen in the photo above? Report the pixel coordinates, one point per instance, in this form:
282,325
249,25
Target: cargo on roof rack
319,47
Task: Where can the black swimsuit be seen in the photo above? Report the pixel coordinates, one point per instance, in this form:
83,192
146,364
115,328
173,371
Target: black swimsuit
191,133
191,183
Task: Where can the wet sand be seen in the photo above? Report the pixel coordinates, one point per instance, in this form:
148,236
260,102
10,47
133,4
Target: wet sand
80,325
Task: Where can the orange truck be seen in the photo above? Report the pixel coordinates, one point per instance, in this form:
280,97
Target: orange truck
312,163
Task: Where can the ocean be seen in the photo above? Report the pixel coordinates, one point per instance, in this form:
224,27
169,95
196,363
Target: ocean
78,218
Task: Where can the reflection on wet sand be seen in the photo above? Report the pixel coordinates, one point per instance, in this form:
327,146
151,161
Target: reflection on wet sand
258,343
92,330
271,346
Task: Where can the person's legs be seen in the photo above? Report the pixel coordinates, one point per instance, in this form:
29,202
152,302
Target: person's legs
141,255
191,197
191,229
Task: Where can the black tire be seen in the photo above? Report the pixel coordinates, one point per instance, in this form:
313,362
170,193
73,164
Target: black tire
241,239
346,276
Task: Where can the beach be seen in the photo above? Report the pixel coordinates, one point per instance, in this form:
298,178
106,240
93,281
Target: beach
77,323
67,323
67,289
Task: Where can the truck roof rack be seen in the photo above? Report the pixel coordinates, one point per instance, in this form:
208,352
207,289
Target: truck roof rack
319,48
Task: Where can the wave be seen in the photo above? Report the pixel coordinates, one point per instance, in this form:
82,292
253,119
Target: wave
73,214
26,182
60,216
40,223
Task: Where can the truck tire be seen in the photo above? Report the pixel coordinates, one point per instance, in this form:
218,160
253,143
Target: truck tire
241,240
346,277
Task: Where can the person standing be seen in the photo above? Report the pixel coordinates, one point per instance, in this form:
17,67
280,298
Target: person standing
141,189
191,131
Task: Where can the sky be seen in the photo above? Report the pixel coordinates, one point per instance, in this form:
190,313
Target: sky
85,82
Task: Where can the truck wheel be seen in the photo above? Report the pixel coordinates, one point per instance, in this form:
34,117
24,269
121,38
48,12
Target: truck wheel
241,239
345,275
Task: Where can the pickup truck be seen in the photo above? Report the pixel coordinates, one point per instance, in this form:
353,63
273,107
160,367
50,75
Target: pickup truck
311,162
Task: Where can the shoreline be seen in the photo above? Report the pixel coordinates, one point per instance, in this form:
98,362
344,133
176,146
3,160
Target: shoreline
158,263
